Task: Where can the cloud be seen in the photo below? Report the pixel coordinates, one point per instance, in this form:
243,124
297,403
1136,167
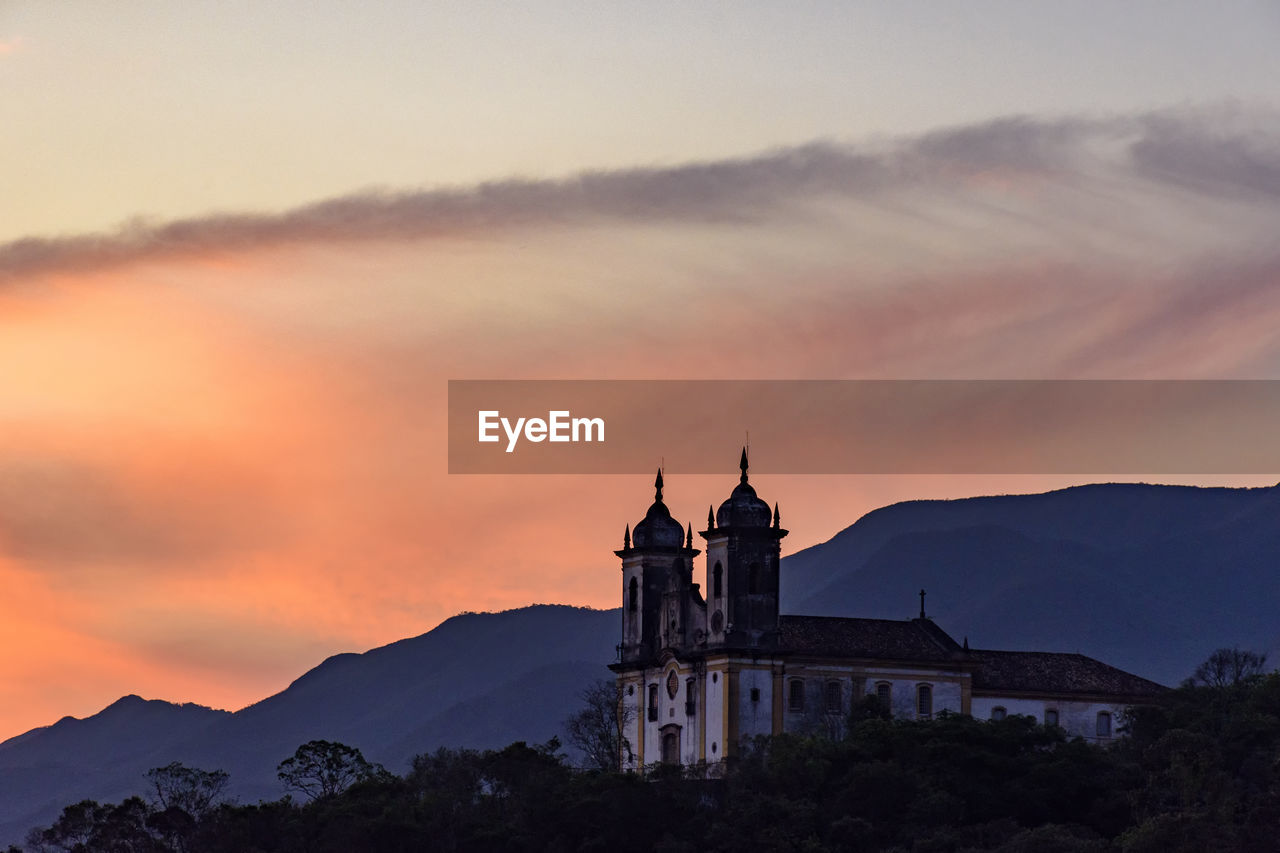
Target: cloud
1171,147
260,441
1228,151
61,513
11,45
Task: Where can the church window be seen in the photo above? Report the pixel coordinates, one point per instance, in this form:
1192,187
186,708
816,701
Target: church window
884,691
653,701
924,702
1104,724
673,684
755,694
795,699
633,599
690,705
753,579
998,713
1051,717
717,580
835,698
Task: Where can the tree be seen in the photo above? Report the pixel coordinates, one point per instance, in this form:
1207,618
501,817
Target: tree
599,729
190,789
321,769
1229,667
89,827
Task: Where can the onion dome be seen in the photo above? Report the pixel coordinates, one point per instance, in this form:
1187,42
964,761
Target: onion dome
658,529
743,508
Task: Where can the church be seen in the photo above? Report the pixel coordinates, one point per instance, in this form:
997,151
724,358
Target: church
702,672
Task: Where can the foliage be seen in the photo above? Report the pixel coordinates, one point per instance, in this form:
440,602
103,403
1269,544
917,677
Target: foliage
320,769
1229,667
190,789
597,730
1199,771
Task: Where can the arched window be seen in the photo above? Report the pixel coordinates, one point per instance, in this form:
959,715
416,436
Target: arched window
1104,724
1051,717
633,597
835,697
795,696
753,579
924,702
690,704
717,575
884,692
653,702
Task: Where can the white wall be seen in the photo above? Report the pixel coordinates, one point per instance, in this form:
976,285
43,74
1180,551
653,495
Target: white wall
755,718
902,692
1077,718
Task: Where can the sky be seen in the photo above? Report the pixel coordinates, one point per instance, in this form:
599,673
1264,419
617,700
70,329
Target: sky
244,246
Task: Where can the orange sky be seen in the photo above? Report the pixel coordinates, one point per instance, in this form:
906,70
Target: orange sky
222,449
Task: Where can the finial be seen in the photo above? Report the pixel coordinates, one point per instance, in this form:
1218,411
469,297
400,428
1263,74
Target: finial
657,485
777,517
743,464
711,518
922,603
966,642
688,539
626,538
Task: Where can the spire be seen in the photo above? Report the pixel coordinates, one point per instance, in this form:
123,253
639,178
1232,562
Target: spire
743,465
921,603
711,518
966,642
777,518
626,538
657,485
688,539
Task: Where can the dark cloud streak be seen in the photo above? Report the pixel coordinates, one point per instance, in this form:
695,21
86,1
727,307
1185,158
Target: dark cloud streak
1172,146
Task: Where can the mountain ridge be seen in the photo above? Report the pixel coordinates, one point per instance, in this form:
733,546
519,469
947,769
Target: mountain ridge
1144,577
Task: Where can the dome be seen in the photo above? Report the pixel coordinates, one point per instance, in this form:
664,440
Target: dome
658,529
743,508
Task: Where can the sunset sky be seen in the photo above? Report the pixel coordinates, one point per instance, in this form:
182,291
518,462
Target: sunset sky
244,246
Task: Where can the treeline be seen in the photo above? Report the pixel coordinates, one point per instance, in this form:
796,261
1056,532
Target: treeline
1200,771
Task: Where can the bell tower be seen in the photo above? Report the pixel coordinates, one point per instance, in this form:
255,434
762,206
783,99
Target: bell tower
744,546
657,571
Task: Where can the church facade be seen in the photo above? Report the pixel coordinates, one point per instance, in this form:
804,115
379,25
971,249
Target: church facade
702,672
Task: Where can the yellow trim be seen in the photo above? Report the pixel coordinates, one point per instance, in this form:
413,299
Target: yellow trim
730,746
702,719
642,722
778,673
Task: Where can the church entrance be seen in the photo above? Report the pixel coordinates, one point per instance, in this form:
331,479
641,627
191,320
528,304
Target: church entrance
671,746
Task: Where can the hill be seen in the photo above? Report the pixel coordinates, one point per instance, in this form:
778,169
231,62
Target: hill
1148,578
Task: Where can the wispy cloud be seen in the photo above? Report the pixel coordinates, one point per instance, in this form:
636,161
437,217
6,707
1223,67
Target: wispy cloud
265,437
1175,148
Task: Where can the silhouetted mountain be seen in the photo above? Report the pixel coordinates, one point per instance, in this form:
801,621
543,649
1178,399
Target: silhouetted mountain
1148,578
103,756
478,679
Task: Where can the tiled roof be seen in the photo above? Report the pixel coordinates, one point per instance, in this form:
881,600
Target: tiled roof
889,639
1054,672
993,671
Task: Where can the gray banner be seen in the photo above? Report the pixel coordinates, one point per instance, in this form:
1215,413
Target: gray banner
1094,427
